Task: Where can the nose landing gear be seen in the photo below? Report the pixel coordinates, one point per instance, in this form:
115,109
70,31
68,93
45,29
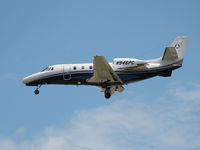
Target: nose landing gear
36,90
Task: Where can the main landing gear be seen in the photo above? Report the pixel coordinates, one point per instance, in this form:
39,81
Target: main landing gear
36,90
107,93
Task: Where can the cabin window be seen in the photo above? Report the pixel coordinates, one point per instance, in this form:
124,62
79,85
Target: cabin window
52,68
74,67
82,67
90,67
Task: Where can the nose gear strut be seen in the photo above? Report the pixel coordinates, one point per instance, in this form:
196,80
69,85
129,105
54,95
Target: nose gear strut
36,90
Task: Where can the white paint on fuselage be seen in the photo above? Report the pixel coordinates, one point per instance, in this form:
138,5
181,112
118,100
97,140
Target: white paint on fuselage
65,68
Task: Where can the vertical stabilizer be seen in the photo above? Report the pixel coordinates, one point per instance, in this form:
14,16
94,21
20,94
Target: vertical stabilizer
180,44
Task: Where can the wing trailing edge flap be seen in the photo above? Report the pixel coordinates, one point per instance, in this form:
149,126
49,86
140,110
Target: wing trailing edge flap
118,88
103,72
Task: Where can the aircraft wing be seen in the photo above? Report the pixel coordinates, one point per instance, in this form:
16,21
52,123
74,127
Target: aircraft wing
103,73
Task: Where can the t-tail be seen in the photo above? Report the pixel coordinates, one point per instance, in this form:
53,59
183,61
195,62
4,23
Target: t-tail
175,53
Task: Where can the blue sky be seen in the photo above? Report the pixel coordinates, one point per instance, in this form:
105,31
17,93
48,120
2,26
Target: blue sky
159,113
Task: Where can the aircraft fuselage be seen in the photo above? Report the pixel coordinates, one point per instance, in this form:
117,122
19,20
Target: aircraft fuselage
66,74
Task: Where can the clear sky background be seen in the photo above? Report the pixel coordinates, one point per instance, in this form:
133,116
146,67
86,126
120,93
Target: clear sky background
159,113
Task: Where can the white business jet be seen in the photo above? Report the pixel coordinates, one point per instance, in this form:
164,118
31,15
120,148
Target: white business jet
110,77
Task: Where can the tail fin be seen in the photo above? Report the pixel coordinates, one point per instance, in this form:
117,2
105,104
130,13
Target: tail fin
180,44
177,49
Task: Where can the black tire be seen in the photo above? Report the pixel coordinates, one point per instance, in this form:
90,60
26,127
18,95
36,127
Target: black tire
107,95
36,92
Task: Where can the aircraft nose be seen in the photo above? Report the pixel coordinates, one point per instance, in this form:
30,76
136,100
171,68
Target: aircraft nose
26,80
33,80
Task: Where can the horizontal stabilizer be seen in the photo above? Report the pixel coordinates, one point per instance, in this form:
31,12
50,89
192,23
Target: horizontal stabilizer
170,54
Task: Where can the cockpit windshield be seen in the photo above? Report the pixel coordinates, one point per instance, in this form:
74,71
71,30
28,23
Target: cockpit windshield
47,69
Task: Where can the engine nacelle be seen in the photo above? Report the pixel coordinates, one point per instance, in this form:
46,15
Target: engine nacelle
128,62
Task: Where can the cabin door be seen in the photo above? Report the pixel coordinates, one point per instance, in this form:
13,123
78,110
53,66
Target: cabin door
66,72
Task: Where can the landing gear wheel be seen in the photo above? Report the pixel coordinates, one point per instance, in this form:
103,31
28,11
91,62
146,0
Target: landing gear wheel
36,92
107,95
